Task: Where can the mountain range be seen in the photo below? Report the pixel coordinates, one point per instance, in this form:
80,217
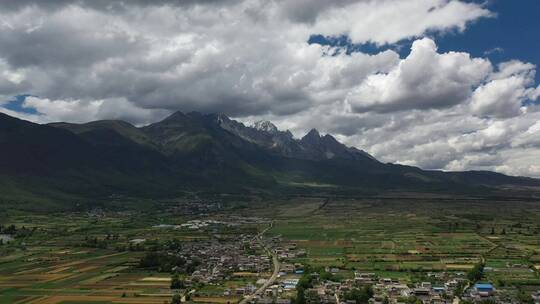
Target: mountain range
189,152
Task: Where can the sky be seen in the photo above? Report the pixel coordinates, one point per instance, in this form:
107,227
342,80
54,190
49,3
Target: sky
439,84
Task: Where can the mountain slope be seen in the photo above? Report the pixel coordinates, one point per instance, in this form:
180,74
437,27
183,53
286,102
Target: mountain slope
204,152
35,149
99,162
312,146
123,128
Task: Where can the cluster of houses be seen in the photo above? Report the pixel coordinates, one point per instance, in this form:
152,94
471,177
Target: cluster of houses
278,293
481,292
281,292
226,256
385,290
5,238
289,251
536,297
198,224
220,259
195,207
240,291
446,290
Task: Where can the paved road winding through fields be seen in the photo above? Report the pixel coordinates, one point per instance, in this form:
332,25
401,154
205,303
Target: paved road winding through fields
275,261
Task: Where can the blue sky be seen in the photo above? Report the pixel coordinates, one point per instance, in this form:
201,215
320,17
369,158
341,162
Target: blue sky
512,34
515,30
16,104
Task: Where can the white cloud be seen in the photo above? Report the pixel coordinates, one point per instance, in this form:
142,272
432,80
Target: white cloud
80,111
522,162
500,98
425,79
244,57
507,91
250,59
12,82
62,110
389,21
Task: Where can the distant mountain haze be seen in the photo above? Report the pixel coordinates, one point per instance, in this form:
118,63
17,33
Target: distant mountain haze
205,152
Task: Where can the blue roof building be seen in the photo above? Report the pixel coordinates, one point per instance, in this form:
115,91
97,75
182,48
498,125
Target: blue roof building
484,289
438,289
483,286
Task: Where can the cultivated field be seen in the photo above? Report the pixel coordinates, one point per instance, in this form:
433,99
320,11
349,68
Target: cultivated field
410,238
93,258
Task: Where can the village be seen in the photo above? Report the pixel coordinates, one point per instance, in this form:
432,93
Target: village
252,257
330,286
237,257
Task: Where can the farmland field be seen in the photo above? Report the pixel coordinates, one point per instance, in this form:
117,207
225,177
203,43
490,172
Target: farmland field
409,238
87,258
81,258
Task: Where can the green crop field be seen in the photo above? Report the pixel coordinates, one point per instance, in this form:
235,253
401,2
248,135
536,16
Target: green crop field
80,258
408,238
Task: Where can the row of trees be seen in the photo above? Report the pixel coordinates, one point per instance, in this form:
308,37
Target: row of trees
177,283
360,295
305,282
11,229
20,232
111,239
476,273
165,262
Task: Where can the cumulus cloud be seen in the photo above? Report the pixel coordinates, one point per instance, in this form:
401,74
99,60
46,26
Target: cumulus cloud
12,82
425,79
390,21
500,98
80,111
106,5
506,93
227,56
140,60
